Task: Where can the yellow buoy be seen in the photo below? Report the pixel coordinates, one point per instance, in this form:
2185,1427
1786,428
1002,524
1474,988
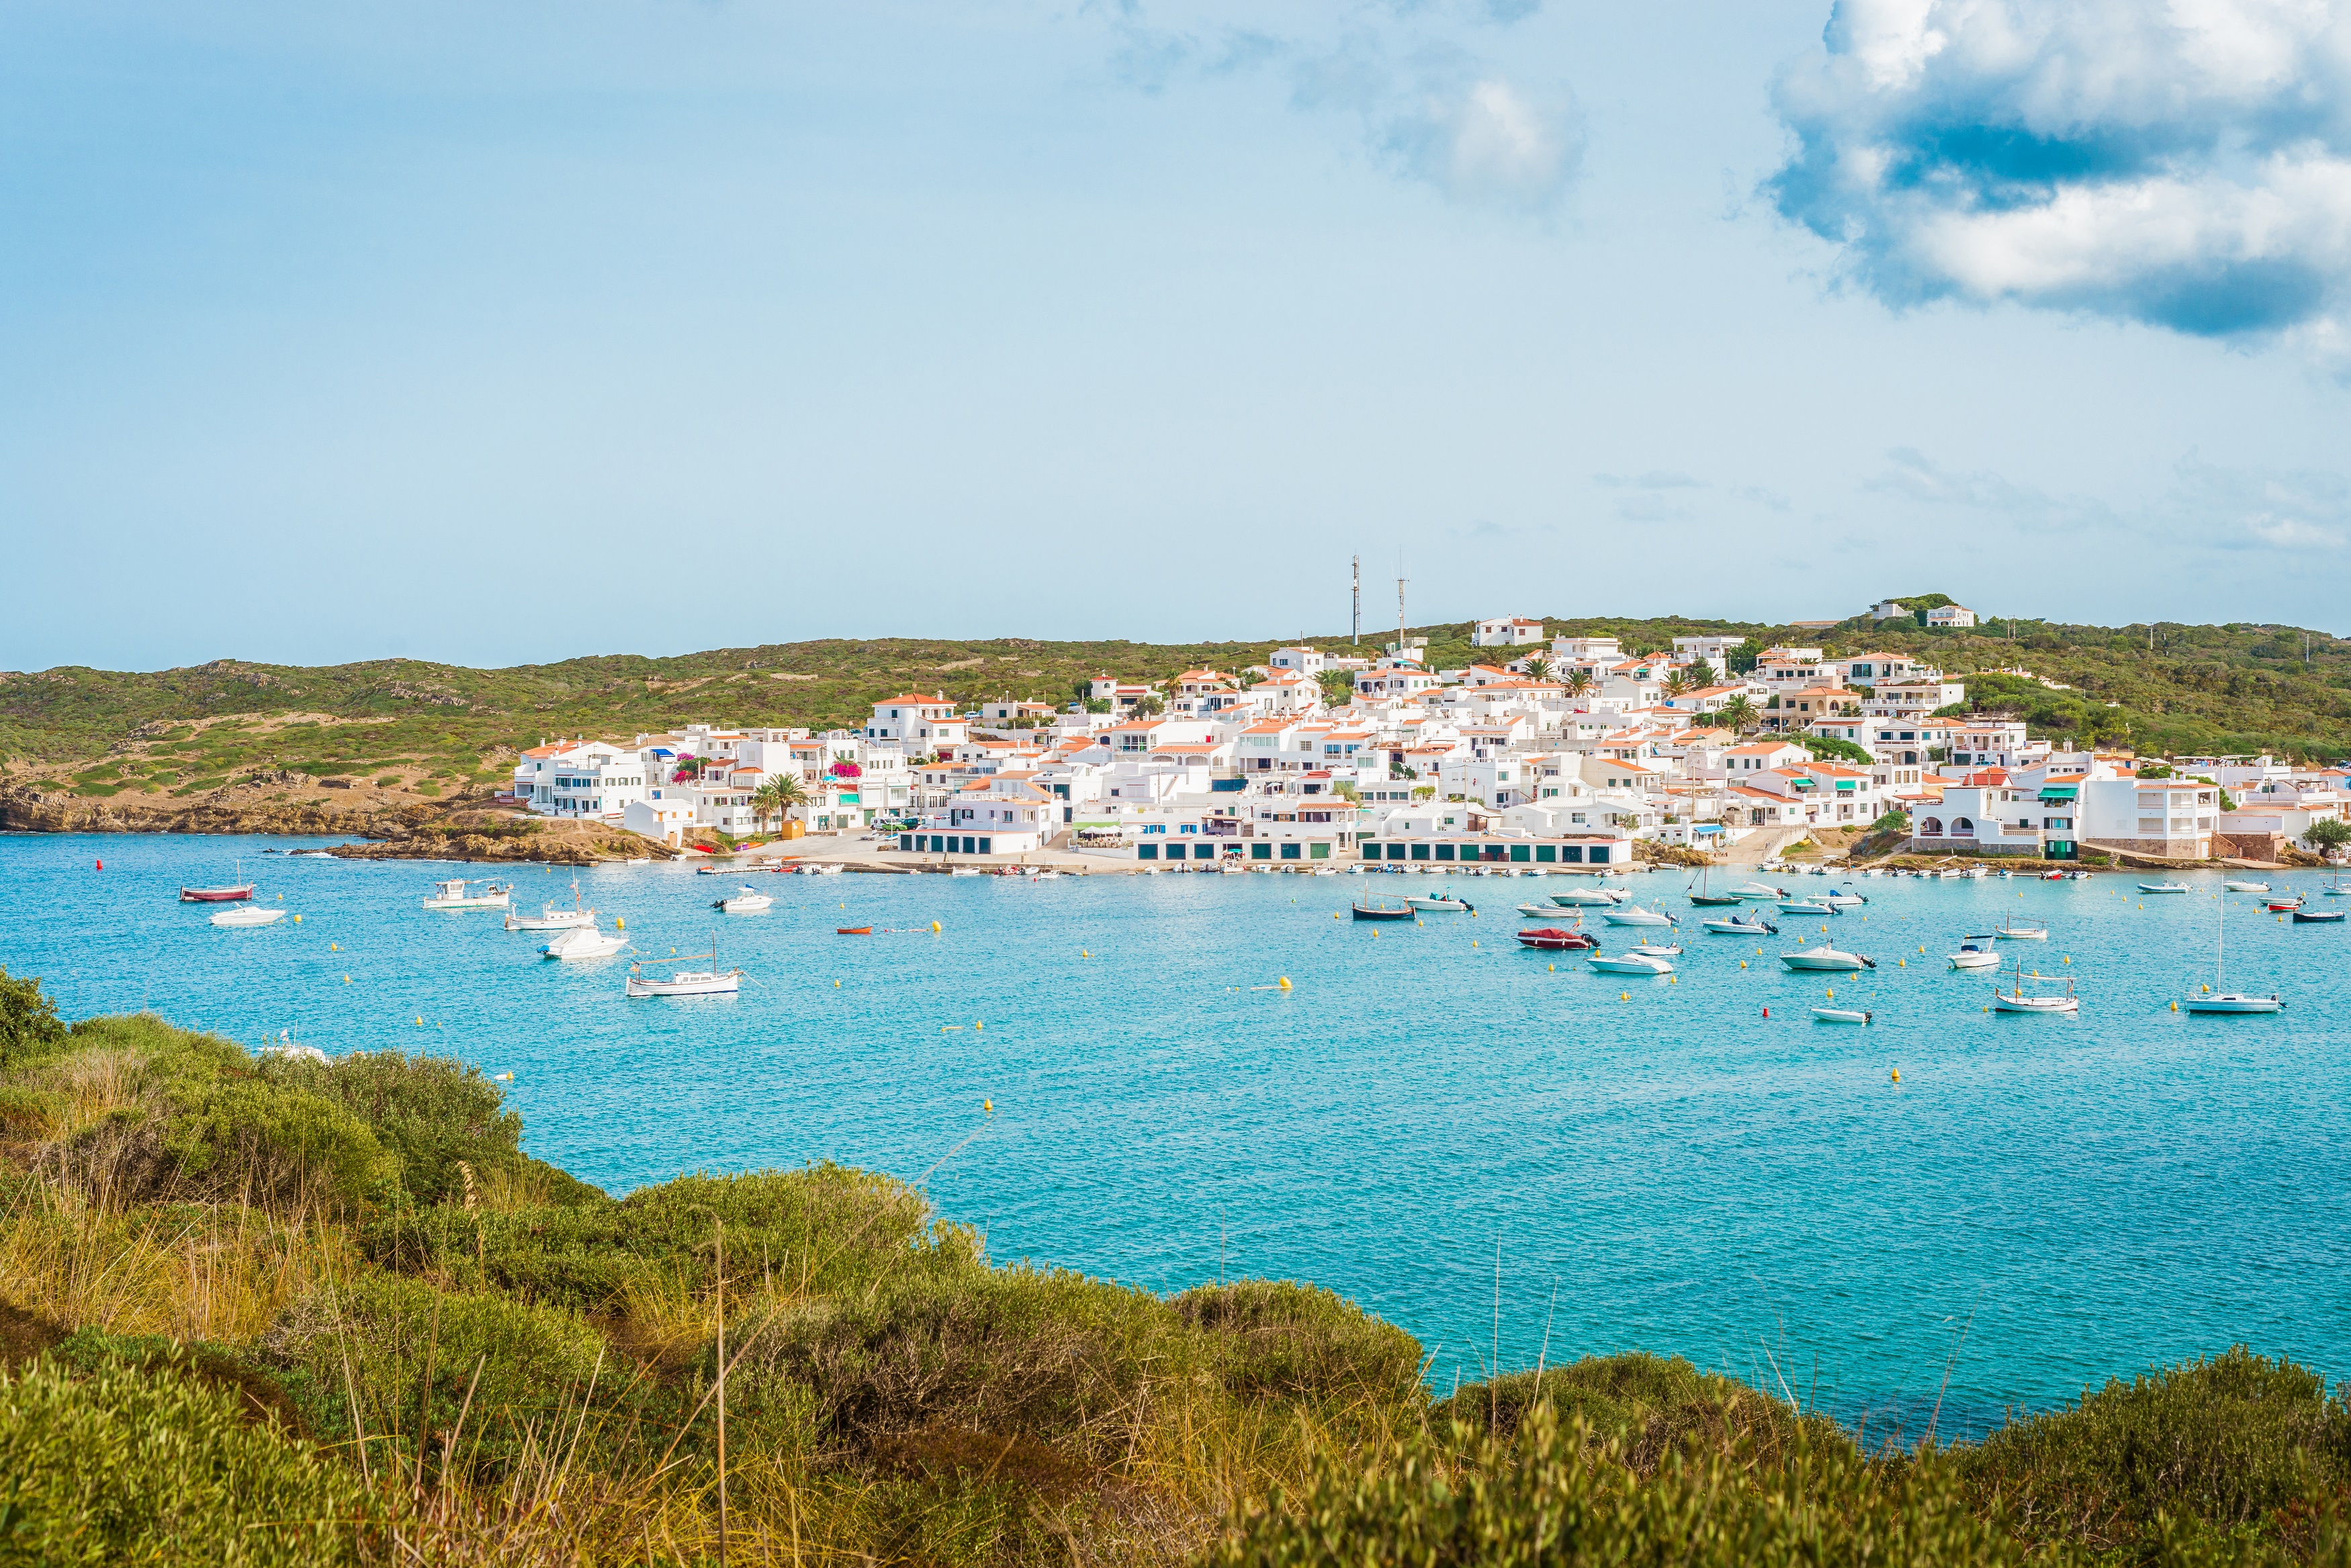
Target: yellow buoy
420,1022
1624,996
1473,941
1742,963
347,980
2175,1007
620,925
988,1106
297,919
1083,953
934,928
1336,915
836,985
1897,1074
334,947
1285,983
1551,968
1831,996
976,1025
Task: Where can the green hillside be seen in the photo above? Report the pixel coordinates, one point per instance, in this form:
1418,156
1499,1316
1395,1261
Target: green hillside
2235,687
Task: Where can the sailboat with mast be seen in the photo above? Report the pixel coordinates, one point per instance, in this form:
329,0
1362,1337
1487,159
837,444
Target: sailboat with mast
2215,999
1705,897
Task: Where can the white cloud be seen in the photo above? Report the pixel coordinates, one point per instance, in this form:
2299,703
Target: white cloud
1430,110
2202,507
2182,162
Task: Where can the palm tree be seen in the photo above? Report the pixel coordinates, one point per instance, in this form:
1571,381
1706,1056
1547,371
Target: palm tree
1538,667
1677,681
1739,713
776,797
1579,682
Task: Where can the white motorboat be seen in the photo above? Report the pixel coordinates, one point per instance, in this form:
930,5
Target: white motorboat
1805,907
1575,896
1443,901
745,902
451,895
968,871
585,942
2237,887
830,869
1839,1015
1824,957
1977,952
684,982
1843,901
1634,915
1757,891
2009,931
1732,926
552,918
248,915
1651,949
1539,912
2163,887
1631,963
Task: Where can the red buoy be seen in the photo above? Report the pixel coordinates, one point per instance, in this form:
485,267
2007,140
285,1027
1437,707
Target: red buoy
102,865
1767,1012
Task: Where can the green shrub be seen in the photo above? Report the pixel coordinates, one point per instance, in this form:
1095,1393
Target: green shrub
823,1229
29,1029
1648,1405
2227,1443
1561,1497
129,1464
537,1367
1284,1340
429,1112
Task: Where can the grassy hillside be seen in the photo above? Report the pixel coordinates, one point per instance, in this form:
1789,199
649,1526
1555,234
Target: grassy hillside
436,727
282,1312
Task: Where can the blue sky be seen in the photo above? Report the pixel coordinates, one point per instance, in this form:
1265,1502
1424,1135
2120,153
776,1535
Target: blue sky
503,333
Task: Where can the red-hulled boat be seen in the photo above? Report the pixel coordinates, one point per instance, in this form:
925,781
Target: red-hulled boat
1557,939
215,895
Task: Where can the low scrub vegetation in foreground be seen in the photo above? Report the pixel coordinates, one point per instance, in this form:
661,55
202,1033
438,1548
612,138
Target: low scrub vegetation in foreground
285,1311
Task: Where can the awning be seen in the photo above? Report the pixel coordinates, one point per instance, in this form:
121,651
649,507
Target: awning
2059,792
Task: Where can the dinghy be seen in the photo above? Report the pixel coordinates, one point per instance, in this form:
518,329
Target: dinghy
684,982
1839,1015
1735,927
2163,887
248,915
1557,939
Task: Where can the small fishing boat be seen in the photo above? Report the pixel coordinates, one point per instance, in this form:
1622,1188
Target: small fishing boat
684,982
248,915
2334,888
1367,911
1652,950
852,931
1443,901
1576,896
1839,1015
745,902
1757,891
1804,907
1734,925
2016,999
2011,931
2283,906
1538,911
584,942
1634,915
551,918
1843,901
1706,898
2163,887
968,871
2236,885
1631,963
451,895
2317,917
1977,952
232,895
2052,876
1824,957
1557,939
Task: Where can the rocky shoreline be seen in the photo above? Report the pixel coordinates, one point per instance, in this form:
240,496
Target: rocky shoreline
460,828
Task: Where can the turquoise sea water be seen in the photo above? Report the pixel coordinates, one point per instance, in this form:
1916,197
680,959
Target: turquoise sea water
1663,1167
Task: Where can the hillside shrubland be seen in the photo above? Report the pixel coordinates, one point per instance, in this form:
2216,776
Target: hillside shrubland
278,1311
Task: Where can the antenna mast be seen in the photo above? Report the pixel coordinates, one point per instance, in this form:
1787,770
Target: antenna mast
1355,575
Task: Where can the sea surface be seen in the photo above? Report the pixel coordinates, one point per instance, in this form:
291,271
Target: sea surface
1430,1120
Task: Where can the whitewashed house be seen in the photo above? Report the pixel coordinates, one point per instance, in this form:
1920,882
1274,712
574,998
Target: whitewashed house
1507,632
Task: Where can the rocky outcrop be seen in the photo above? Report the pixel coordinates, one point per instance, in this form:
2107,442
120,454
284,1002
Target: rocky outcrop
284,804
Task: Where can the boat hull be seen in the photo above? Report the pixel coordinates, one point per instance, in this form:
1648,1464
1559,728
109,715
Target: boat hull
2232,1004
1740,929
1552,939
2042,1004
2315,918
1362,913
1636,917
236,917
215,895
1824,962
684,985
1839,1015
1632,966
